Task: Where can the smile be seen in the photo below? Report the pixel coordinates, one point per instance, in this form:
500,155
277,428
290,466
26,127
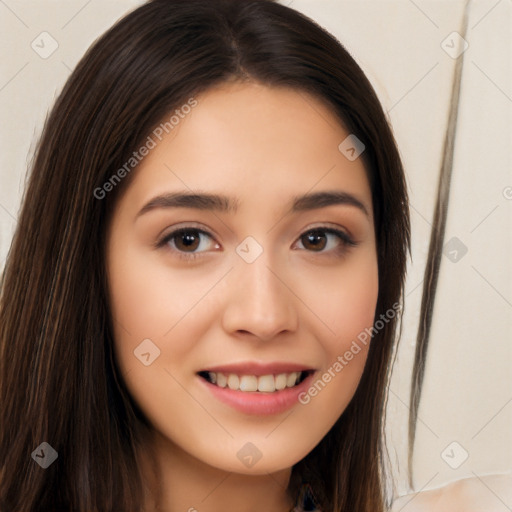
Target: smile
257,389
254,383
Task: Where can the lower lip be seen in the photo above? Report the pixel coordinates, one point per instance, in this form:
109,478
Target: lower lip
256,402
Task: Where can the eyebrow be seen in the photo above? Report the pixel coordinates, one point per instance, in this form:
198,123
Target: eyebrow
224,204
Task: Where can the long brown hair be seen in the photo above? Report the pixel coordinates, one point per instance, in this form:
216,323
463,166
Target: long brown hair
59,382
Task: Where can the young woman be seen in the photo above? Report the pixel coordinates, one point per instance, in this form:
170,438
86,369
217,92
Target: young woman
201,300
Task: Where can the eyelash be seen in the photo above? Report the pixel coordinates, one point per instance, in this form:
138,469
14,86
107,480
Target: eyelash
346,240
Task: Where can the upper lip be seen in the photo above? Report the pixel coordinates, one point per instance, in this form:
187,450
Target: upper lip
258,369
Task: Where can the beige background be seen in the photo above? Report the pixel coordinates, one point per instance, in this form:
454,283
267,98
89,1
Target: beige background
467,397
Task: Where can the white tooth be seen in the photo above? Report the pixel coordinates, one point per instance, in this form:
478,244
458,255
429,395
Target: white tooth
213,377
233,381
281,381
266,384
291,379
248,383
222,381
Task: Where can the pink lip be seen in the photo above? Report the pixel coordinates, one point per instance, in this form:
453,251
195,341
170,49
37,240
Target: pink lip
255,402
253,368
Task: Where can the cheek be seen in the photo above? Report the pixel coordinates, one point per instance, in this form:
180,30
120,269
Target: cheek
150,301
352,305
344,300
346,304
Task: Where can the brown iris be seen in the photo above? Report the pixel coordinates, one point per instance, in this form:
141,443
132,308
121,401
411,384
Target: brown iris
315,239
187,240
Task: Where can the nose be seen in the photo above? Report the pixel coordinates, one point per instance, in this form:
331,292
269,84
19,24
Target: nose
259,301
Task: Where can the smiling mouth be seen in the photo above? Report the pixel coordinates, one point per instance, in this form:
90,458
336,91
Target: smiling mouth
253,383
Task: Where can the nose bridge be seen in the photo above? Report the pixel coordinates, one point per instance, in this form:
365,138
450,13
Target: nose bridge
258,301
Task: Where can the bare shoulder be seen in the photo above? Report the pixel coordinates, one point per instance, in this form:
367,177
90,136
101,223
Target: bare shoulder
490,493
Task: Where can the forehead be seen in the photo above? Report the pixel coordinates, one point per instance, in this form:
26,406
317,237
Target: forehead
261,143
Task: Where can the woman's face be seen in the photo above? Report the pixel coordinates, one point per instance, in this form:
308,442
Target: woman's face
267,284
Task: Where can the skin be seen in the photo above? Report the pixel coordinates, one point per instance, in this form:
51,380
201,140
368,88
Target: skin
490,493
293,303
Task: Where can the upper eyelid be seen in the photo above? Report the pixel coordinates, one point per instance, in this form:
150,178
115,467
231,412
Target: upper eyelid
186,227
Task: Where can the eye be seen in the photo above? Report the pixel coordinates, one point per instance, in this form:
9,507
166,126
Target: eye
325,239
188,242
